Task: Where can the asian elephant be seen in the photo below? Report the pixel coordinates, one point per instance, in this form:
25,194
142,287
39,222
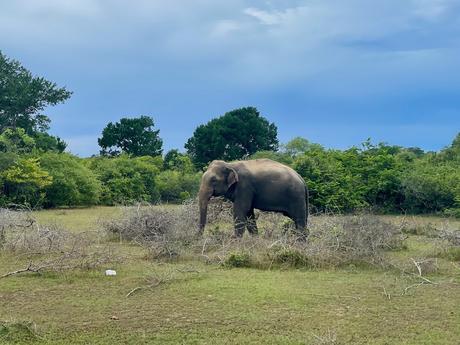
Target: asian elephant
262,184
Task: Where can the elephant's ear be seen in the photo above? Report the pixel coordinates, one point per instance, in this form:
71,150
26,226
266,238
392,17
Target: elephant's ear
232,178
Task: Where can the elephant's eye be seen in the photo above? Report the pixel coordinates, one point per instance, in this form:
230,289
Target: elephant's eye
213,180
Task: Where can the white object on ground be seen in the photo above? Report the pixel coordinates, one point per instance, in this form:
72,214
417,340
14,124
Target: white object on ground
110,272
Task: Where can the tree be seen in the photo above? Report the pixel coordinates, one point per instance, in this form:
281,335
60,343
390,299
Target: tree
235,135
298,146
452,152
277,156
16,140
133,136
23,97
46,142
174,160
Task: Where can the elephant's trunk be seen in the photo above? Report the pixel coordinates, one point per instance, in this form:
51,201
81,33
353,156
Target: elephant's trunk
204,196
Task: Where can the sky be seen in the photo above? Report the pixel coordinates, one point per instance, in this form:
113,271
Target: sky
333,71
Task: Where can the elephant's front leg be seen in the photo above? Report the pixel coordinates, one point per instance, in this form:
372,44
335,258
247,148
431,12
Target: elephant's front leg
251,222
240,212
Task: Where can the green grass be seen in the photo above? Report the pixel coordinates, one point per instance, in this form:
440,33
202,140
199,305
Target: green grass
77,219
206,304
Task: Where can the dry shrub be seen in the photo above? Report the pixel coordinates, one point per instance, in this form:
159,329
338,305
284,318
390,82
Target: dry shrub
450,244
37,239
171,232
49,248
451,236
415,227
327,338
361,238
11,220
163,230
219,211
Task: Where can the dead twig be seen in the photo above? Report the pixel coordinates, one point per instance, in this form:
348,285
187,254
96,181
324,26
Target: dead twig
413,286
356,298
386,293
134,291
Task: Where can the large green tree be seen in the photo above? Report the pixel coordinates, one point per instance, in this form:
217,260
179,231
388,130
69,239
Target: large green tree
235,135
23,97
133,136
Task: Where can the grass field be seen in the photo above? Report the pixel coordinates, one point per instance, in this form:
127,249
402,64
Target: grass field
190,302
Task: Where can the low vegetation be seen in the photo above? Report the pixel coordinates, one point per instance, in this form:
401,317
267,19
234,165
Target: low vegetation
335,241
355,273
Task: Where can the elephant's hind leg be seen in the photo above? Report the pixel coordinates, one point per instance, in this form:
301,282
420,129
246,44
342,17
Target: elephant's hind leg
298,215
251,223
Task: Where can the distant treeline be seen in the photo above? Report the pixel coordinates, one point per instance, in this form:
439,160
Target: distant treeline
388,179
36,171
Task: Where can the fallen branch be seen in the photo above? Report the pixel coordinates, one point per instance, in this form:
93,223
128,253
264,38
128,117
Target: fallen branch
29,268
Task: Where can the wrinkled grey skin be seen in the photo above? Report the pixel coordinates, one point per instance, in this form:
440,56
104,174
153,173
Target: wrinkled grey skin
262,184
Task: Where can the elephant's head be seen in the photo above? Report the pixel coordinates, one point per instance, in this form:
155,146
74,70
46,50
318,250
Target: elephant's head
216,181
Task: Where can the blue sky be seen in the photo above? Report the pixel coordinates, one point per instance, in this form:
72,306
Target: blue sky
333,71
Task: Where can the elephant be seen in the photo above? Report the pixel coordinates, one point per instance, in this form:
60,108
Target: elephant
255,184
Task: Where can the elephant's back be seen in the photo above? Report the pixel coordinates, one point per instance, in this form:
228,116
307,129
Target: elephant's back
268,171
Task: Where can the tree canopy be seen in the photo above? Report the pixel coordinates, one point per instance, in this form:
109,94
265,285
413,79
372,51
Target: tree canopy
23,97
133,136
235,135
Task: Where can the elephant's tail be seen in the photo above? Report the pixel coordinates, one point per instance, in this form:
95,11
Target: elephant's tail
307,202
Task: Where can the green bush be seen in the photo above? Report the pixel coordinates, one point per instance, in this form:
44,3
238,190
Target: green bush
73,183
330,183
126,180
355,178
175,187
430,187
24,181
17,332
292,257
238,259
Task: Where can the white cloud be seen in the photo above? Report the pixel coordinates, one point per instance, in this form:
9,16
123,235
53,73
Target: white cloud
225,27
265,17
83,144
431,9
